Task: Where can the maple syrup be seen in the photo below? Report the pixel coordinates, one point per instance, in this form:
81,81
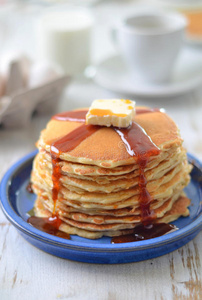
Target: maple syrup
29,188
142,233
48,225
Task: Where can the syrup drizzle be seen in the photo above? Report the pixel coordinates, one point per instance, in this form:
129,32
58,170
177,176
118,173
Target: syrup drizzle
66,144
56,175
138,144
73,139
140,111
72,116
80,115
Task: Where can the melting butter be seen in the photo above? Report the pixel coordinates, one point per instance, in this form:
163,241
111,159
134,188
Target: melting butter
111,112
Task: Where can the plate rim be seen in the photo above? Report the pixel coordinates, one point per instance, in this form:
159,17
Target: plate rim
27,229
189,85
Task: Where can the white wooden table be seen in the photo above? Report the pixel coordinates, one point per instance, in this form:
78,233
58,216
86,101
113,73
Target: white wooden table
28,273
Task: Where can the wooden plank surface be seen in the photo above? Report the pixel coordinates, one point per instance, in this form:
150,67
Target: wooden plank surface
28,273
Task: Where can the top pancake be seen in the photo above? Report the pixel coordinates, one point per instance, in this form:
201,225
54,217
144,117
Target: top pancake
105,148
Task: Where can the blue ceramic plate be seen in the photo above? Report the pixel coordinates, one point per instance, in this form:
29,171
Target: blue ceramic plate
16,202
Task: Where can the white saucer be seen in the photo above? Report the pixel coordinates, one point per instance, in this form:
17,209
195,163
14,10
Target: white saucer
114,75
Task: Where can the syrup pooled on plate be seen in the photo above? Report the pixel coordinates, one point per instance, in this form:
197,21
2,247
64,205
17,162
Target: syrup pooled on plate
48,225
29,188
142,233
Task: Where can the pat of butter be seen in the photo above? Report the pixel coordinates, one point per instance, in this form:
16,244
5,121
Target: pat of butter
111,112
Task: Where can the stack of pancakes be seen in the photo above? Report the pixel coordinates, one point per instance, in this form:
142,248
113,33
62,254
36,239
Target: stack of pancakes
99,193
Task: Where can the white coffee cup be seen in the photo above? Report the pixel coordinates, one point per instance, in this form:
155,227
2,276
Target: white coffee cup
150,42
64,37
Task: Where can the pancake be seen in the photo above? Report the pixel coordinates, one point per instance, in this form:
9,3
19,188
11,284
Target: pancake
118,184
97,188
92,231
104,148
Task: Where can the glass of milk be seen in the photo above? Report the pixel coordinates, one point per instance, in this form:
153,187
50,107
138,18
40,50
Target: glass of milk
64,37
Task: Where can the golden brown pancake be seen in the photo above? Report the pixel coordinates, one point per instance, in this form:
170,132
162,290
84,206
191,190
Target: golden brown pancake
95,231
105,148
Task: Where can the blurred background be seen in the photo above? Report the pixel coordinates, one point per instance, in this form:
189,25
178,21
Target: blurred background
82,62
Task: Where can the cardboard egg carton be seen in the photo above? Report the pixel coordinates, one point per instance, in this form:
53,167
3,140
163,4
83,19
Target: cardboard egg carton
20,99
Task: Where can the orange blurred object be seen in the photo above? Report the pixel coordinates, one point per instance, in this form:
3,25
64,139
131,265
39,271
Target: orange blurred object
194,23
